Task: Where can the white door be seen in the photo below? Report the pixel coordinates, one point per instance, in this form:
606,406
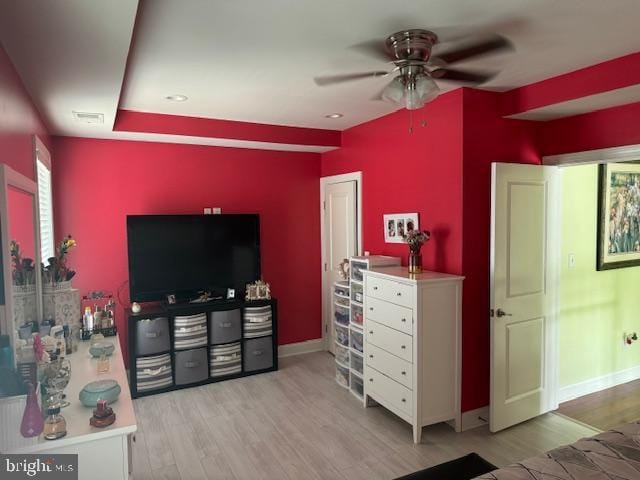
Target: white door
523,252
340,213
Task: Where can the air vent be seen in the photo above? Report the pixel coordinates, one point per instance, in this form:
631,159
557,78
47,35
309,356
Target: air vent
87,117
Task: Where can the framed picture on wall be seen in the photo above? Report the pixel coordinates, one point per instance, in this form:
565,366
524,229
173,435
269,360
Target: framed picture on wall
618,216
396,226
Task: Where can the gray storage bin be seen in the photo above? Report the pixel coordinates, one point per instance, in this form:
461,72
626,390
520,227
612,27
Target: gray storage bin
191,366
258,354
225,326
152,335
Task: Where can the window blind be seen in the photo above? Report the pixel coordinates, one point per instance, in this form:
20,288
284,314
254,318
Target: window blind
46,211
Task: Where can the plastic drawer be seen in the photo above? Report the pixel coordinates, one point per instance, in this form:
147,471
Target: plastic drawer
342,335
356,363
356,315
225,326
258,354
356,270
152,336
356,293
341,289
341,314
357,386
342,375
356,340
191,366
342,355
154,373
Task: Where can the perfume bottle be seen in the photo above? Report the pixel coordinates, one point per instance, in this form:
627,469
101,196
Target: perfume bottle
55,426
103,415
103,364
31,425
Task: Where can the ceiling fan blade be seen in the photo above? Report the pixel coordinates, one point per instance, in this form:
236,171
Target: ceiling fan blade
374,49
332,79
486,46
462,75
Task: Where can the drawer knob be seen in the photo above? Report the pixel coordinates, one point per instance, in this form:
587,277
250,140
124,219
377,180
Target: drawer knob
404,373
403,347
225,325
370,356
371,309
375,288
399,294
152,334
404,400
403,320
371,379
370,332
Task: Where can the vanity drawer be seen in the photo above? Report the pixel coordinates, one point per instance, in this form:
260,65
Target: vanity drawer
152,336
191,366
258,354
397,343
390,291
385,390
397,369
389,314
225,326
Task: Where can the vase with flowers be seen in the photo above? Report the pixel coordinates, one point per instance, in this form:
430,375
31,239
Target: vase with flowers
415,239
56,275
23,270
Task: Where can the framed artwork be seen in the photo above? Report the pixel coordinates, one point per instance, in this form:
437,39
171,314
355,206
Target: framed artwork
396,225
618,216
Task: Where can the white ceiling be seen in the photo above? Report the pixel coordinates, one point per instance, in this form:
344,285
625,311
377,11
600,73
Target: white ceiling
255,61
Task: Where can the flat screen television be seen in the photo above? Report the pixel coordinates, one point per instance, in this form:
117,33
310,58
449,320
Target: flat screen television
182,255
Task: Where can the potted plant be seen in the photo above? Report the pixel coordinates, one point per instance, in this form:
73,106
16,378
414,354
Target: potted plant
56,275
23,273
415,239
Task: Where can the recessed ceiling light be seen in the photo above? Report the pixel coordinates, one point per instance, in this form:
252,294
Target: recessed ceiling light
177,98
334,115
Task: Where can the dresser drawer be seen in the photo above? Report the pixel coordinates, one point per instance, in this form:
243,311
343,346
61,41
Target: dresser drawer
391,291
397,343
397,369
386,390
389,314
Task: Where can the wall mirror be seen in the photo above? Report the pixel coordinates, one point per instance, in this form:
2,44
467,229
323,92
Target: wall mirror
21,296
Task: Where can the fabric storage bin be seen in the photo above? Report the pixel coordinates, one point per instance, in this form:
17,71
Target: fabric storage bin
190,331
356,315
357,385
153,373
225,326
191,366
152,336
257,321
225,360
356,363
342,335
258,354
342,355
356,340
341,314
342,375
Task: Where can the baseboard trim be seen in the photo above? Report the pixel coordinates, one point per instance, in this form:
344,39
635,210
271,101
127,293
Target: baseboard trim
308,346
474,418
599,383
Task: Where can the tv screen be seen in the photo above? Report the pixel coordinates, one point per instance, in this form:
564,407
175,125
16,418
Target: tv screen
185,254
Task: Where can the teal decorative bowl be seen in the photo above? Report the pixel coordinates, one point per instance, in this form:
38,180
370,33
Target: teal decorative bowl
108,390
101,348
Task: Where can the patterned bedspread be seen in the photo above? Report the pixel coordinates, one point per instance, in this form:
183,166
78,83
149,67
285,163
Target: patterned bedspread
612,455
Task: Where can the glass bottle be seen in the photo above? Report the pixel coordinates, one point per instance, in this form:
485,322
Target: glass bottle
55,426
32,424
103,364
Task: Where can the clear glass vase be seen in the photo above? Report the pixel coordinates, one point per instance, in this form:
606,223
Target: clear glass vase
415,262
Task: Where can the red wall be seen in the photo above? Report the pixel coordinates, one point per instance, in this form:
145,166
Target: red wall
403,173
19,120
21,229
98,182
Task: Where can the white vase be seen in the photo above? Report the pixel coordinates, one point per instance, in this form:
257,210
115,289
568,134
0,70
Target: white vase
24,289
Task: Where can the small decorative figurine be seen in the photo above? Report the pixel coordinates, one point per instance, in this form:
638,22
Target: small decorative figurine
135,307
103,415
343,269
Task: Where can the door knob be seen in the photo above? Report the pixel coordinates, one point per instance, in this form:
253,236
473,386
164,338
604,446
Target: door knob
501,313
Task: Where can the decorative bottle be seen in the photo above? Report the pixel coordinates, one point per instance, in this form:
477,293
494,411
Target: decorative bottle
32,422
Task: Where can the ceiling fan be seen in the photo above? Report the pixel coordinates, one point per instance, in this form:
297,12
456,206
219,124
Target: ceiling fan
410,51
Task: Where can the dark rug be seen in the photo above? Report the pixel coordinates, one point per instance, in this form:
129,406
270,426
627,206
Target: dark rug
463,468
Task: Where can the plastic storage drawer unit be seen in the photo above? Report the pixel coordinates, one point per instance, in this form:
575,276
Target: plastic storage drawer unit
225,326
152,336
191,366
258,354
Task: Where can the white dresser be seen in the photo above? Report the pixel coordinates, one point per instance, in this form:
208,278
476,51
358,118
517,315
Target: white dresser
412,325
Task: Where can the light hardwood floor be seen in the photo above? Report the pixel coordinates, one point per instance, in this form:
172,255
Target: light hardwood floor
608,408
297,423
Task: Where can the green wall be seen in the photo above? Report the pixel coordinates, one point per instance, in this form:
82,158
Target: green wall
596,308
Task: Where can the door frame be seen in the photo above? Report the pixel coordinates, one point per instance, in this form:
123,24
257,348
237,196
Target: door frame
326,289
551,369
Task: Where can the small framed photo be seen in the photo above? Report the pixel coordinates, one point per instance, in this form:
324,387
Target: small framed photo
396,226
171,299
231,293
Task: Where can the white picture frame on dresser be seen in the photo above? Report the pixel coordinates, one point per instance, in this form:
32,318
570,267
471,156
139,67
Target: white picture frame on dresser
412,345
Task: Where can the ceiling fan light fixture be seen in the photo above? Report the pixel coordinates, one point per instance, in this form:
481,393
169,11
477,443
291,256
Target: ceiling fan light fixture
426,88
394,92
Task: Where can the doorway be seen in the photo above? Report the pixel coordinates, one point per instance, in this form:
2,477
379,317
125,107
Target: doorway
341,237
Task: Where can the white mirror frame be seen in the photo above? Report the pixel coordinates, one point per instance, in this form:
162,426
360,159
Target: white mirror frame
11,178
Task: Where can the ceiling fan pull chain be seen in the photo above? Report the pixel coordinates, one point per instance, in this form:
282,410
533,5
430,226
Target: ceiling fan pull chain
410,122
423,123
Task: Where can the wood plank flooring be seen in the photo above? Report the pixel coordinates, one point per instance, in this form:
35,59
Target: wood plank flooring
606,409
297,423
